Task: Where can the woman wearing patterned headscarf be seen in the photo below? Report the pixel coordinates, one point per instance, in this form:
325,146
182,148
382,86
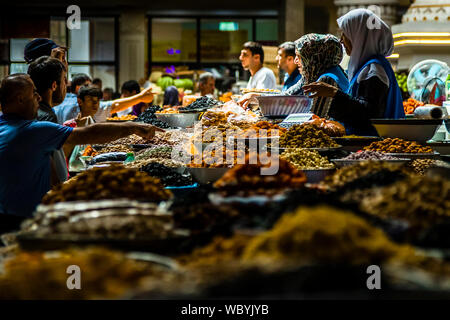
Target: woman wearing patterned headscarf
318,57
373,92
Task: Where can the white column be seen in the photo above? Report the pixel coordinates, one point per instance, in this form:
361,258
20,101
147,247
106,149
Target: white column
387,8
133,35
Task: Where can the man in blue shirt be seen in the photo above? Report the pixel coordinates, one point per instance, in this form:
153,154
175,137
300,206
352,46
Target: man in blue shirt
26,145
285,59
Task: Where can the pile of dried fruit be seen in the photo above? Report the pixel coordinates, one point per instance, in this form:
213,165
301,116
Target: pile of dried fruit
250,179
263,129
152,153
108,183
116,148
411,105
148,116
199,105
420,165
89,152
304,159
420,200
306,136
106,274
369,155
133,139
349,174
127,117
396,145
168,176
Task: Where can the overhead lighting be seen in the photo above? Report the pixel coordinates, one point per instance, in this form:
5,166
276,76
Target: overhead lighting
393,56
228,26
422,41
421,34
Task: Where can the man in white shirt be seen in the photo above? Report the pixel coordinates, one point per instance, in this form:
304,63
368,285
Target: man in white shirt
252,59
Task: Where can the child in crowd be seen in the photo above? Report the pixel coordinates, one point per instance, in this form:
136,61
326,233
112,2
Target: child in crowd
89,101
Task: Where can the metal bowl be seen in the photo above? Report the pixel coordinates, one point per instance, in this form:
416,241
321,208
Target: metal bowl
207,175
420,130
283,105
181,120
339,163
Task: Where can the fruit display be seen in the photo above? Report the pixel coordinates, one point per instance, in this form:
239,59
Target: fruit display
128,117
168,176
402,81
108,183
148,117
306,136
186,84
106,274
263,129
201,104
411,104
430,204
304,159
397,145
226,97
165,82
171,110
248,179
89,152
369,155
331,128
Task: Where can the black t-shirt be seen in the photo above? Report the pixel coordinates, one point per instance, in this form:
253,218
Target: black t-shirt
46,113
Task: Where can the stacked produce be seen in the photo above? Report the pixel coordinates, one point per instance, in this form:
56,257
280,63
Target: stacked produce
168,176
306,136
411,105
397,145
106,274
419,200
165,82
331,128
304,159
247,179
127,117
186,84
148,116
223,158
402,81
226,97
108,183
133,139
201,104
369,155
420,165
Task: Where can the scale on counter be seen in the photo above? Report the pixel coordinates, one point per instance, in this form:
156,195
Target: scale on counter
295,118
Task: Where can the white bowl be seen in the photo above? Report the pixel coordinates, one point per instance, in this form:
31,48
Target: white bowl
283,105
420,130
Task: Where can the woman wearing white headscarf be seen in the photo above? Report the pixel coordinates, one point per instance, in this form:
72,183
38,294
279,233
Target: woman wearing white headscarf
373,92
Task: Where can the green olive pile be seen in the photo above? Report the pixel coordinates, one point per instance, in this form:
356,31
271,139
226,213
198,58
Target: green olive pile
306,136
304,159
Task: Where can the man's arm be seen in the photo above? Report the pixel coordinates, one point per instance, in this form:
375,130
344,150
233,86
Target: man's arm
105,132
145,96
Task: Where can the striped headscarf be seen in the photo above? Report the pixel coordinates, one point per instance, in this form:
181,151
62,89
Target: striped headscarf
318,52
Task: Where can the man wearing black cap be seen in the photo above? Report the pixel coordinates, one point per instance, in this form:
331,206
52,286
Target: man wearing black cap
44,47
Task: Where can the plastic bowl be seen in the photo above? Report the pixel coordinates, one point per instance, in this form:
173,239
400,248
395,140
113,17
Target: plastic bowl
283,105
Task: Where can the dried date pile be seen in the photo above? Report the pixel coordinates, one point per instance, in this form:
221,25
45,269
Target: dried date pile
396,145
109,183
148,116
248,179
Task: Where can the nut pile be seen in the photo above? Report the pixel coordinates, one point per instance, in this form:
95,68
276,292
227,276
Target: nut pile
420,200
349,174
109,183
116,148
133,139
167,162
247,179
306,136
304,159
369,155
168,176
396,145
420,165
151,153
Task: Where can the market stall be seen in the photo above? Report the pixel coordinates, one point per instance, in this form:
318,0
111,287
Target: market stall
233,203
